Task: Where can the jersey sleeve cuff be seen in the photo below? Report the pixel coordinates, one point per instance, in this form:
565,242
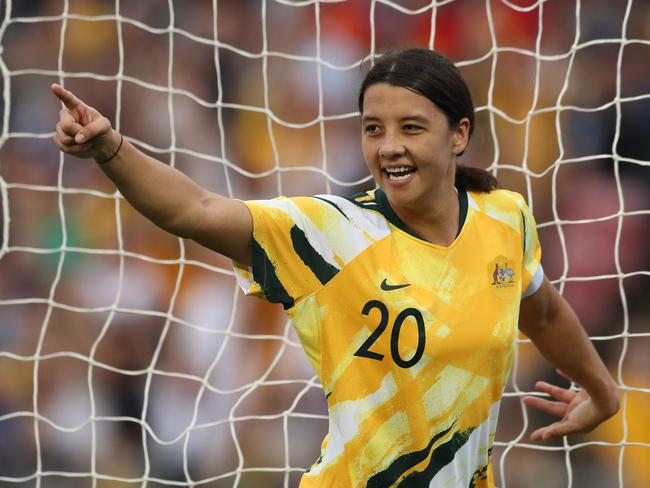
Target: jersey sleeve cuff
535,283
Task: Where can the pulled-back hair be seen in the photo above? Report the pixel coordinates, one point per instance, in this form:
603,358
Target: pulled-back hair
435,77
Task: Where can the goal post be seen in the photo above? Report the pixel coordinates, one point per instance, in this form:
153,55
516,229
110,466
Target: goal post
130,357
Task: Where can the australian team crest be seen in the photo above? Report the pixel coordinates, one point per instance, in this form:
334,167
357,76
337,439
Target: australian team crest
502,276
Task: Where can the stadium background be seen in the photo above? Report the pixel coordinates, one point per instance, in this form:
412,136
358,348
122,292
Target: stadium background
63,307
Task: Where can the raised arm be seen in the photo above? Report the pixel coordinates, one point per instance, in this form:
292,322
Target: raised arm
164,195
548,320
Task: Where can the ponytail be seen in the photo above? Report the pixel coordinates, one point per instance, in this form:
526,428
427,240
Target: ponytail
475,179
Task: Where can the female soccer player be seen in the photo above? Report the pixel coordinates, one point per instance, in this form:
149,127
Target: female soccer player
406,298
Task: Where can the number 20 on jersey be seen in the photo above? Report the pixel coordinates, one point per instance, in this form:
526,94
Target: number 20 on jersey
396,327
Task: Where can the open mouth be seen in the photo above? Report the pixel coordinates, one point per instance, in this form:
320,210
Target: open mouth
400,173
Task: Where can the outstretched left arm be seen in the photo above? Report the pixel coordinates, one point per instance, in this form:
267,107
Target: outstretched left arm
550,322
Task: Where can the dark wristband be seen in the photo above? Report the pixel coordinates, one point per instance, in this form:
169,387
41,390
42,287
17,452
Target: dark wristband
119,146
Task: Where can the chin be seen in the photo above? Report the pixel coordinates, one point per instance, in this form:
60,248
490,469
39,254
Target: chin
401,196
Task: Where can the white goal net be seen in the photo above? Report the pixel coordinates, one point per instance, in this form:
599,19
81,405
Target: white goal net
129,357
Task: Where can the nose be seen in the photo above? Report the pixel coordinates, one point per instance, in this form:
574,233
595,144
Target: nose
391,147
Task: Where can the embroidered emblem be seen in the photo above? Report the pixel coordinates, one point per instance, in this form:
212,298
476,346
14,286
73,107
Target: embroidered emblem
502,276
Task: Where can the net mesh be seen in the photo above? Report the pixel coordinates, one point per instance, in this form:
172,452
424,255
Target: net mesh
129,357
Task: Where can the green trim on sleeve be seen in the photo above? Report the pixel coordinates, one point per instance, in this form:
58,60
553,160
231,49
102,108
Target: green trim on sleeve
323,270
264,274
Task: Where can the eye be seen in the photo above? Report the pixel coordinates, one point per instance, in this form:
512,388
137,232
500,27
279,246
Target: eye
411,128
371,129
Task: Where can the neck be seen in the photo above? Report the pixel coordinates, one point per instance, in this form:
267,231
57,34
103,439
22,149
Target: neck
437,219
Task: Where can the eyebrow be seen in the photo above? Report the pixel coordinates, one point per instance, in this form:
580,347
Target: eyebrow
415,117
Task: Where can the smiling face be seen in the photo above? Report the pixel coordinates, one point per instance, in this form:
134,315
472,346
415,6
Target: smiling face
409,146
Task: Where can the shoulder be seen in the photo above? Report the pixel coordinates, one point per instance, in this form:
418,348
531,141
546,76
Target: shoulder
505,206
332,216
504,199
326,210
316,208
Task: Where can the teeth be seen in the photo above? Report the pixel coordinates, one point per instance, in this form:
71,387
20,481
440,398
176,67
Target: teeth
400,177
398,170
400,173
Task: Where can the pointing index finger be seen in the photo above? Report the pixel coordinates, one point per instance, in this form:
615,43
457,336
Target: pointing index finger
67,97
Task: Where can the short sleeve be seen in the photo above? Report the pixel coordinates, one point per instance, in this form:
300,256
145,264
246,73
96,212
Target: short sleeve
290,258
532,272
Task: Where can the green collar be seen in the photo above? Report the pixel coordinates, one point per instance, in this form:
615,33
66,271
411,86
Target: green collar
391,216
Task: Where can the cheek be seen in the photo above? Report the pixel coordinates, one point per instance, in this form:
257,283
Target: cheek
435,149
369,151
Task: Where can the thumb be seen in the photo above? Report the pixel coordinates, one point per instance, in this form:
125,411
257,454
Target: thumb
93,130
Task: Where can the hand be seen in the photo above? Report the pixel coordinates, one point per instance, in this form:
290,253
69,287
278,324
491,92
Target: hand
578,411
82,131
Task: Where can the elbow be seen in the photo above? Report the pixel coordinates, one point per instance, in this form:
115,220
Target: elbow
180,226
196,221
185,223
179,229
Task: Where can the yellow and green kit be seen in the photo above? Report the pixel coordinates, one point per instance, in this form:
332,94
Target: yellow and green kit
412,341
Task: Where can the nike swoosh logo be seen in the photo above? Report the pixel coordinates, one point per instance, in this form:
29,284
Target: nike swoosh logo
386,287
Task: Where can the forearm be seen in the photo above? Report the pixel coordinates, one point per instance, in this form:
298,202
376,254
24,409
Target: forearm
164,195
161,193
561,339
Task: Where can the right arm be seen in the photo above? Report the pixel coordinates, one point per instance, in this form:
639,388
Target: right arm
164,195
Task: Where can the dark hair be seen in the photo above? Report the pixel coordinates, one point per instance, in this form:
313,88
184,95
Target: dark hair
435,77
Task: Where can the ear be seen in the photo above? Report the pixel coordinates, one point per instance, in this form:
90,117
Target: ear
460,137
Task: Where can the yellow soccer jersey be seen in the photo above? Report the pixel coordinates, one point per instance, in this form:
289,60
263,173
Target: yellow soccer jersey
412,341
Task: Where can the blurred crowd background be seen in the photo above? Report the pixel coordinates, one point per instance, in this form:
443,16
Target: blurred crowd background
128,354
